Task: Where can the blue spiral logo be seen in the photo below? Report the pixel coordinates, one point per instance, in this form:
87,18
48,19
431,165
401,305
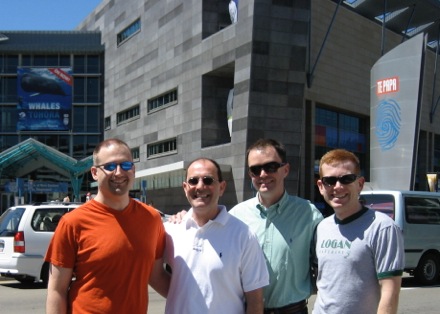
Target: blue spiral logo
388,123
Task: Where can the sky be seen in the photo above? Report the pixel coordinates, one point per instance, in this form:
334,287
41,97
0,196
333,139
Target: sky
42,15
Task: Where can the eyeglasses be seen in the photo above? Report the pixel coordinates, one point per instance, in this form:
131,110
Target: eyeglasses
345,179
193,181
111,166
270,167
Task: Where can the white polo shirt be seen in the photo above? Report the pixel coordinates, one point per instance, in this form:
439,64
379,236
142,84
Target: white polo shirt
212,265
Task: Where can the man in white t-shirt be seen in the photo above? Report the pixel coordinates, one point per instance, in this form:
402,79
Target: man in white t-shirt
360,251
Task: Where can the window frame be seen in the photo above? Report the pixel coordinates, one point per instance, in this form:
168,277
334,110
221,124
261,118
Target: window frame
128,115
128,32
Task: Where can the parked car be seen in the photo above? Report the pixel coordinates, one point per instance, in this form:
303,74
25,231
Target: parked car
417,213
25,233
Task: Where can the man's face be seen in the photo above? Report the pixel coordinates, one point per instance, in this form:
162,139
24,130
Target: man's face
344,198
270,182
116,182
203,195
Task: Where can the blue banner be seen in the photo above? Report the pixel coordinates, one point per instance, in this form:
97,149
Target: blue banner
44,99
19,186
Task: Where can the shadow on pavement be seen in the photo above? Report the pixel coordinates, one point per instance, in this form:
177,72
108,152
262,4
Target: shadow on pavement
411,282
10,283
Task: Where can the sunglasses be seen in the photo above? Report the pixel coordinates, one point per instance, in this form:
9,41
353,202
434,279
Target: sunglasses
193,181
270,167
111,166
345,179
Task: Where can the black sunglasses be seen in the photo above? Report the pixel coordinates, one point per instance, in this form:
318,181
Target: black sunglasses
270,167
193,181
111,166
345,179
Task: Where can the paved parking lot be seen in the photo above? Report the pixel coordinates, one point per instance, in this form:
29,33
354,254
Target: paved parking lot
24,299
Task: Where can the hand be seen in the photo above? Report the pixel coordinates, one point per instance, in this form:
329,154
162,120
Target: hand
177,218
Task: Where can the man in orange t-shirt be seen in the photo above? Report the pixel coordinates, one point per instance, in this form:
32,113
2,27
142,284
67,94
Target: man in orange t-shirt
111,246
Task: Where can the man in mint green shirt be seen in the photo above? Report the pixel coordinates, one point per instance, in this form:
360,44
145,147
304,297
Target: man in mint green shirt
284,225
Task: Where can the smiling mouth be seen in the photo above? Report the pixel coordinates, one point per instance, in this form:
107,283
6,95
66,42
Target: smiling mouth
265,182
339,196
202,196
119,182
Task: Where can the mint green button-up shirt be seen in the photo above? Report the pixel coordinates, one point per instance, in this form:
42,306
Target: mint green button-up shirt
285,232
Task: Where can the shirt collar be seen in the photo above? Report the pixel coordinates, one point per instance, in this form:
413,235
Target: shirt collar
277,207
351,218
221,218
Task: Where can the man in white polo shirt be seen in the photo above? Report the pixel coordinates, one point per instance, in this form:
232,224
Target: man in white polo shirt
216,262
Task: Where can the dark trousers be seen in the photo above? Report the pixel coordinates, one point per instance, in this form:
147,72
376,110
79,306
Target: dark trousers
294,308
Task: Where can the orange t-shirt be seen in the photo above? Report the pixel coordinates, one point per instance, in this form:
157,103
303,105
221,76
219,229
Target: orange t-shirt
111,252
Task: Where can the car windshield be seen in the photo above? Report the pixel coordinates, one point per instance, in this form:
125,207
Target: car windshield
10,220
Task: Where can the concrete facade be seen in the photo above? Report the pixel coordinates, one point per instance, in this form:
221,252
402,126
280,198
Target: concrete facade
192,46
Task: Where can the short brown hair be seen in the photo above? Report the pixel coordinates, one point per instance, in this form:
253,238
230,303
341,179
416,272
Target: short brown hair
108,143
337,156
268,142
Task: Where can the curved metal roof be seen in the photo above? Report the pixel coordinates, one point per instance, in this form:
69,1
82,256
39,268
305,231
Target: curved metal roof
30,155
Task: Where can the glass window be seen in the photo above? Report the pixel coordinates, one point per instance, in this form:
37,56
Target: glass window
11,63
47,219
86,90
135,153
79,64
169,146
26,60
39,60
422,210
128,32
8,118
107,123
341,130
52,60
83,145
79,144
65,60
92,123
169,98
63,145
380,202
92,142
128,114
79,113
79,89
8,89
326,117
92,89
93,64
8,141
10,220
84,119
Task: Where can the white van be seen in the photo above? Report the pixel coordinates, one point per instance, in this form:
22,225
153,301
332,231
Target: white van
25,233
417,213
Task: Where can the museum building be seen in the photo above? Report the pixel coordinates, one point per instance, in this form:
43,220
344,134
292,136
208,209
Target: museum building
182,79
